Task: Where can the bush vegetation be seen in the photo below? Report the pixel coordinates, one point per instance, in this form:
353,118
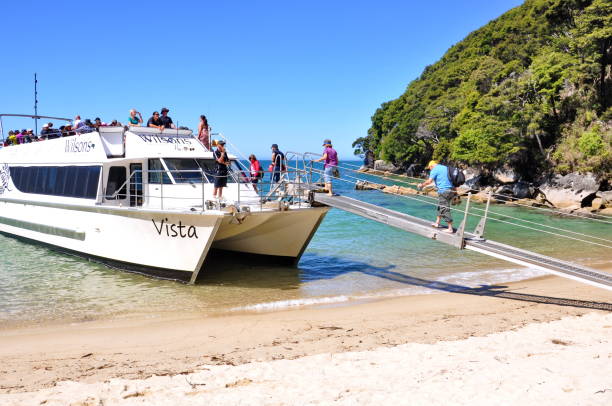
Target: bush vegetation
531,90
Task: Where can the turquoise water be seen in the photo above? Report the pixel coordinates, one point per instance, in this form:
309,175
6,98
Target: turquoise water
350,258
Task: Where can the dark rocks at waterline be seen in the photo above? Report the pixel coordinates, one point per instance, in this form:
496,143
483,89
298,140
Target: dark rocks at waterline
414,170
571,190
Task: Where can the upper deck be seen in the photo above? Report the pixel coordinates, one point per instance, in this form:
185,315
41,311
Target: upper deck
105,144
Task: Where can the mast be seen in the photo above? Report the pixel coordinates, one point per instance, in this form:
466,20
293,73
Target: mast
35,104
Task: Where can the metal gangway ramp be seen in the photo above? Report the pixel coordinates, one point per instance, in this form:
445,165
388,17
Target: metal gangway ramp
465,240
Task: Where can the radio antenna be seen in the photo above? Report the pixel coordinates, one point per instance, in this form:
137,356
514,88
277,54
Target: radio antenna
35,104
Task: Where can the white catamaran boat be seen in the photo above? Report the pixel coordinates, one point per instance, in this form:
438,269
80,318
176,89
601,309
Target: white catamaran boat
141,199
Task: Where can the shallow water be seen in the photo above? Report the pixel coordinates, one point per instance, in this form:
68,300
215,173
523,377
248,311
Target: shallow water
349,258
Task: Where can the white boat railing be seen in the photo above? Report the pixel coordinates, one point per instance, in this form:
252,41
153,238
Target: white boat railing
292,189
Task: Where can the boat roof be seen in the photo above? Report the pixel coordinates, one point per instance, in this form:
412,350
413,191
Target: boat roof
108,143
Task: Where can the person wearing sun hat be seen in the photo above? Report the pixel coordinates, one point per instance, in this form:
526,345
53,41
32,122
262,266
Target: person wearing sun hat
446,192
330,167
165,118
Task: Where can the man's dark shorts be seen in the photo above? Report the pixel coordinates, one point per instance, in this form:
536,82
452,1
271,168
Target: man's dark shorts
444,203
221,180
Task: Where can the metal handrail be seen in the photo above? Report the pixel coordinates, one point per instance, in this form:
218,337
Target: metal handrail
32,116
276,189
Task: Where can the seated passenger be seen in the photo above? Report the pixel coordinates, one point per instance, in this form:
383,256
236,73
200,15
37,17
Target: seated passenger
78,123
52,132
98,123
114,123
44,133
155,121
85,127
133,120
29,135
20,136
12,139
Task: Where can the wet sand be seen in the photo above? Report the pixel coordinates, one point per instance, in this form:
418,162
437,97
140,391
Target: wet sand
35,358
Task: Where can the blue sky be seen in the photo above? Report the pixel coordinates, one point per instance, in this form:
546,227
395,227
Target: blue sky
263,72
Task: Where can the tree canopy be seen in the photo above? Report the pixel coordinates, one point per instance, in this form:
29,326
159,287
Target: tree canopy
532,90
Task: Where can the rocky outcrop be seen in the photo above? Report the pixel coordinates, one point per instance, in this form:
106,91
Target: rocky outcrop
365,185
473,178
571,190
606,198
505,175
523,190
384,166
400,190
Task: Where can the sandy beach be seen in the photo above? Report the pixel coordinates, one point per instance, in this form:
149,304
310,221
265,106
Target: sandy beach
521,342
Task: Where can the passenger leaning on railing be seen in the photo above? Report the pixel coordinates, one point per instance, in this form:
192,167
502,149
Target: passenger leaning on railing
165,119
155,121
133,120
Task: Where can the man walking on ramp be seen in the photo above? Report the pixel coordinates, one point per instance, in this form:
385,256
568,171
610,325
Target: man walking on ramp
439,174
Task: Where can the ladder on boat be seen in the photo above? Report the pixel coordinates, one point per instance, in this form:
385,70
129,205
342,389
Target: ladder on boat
465,240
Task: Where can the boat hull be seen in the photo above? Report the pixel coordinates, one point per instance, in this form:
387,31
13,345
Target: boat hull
165,244
278,234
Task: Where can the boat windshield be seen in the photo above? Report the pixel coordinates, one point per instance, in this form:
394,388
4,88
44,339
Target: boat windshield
184,170
190,170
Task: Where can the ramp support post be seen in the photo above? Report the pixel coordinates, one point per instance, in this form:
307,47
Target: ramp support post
479,230
461,230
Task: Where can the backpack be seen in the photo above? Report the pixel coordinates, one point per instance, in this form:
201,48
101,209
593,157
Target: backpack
455,176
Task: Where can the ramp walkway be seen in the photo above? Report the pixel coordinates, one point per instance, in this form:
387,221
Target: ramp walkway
466,240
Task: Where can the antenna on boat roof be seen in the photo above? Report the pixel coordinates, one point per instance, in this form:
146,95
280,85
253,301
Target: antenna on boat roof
35,104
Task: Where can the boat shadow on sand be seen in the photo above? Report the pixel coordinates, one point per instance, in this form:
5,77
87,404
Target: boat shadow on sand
315,267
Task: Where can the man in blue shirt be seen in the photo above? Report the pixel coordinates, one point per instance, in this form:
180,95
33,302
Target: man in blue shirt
439,174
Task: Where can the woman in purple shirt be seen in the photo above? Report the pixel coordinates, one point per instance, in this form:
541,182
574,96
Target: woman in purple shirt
330,156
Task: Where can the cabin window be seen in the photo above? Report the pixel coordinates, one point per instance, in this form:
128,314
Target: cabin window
184,170
209,167
115,186
155,174
67,181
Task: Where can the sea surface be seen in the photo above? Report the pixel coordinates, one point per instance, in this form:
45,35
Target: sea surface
349,260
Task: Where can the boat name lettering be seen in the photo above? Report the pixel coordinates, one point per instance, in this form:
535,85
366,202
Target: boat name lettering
74,145
5,176
164,139
175,230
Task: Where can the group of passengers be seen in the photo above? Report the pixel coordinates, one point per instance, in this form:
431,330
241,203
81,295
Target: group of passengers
80,126
278,167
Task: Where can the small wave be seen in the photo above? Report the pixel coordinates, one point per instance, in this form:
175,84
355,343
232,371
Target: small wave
450,283
286,304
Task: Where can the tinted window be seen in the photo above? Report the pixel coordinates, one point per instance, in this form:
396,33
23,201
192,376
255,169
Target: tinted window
69,181
116,179
184,170
209,167
156,177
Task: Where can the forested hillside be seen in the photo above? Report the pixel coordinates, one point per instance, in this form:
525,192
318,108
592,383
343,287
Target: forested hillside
531,90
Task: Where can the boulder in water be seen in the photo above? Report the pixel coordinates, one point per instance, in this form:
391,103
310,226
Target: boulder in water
505,175
570,190
384,166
